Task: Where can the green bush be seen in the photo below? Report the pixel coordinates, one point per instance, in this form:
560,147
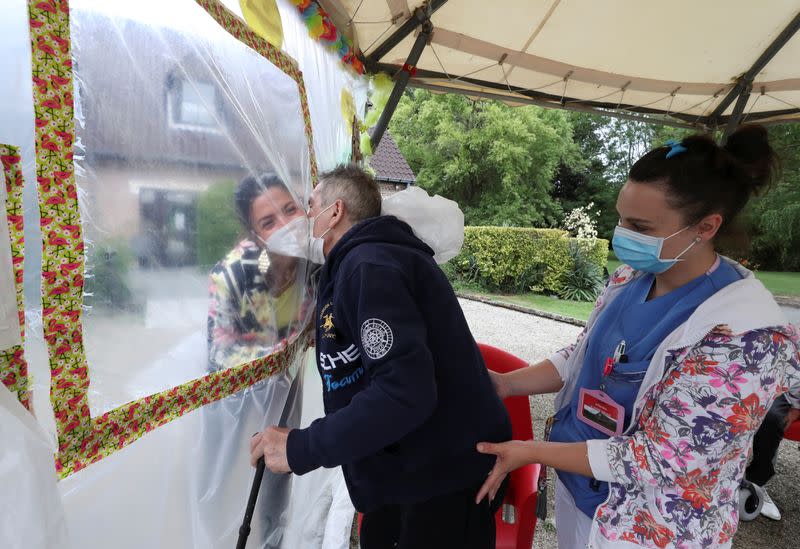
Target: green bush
218,226
585,279
515,259
107,269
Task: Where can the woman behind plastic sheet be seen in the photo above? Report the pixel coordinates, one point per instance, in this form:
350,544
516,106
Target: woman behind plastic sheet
257,300
660,396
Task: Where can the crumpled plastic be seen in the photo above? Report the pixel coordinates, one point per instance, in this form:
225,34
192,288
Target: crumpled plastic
31,513
435,220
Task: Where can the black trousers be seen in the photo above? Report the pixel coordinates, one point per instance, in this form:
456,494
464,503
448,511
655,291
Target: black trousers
766,442
443,522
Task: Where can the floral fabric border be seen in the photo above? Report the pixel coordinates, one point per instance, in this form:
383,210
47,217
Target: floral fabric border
13,367
82,439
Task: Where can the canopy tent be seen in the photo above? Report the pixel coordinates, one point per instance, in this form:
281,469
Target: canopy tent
124,127
707,65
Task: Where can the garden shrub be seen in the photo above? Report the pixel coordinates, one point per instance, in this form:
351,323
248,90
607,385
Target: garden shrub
516,259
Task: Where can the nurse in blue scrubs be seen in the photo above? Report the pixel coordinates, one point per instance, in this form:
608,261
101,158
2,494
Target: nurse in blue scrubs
632,327
660,396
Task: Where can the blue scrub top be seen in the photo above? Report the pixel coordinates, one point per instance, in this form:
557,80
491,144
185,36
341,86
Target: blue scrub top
643,325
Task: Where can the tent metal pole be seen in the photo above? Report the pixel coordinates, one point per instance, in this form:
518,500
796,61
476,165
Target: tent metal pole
738,110
745,83
420,16
544,100
400,83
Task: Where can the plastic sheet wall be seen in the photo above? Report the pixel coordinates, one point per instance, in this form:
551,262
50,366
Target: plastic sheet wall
188,146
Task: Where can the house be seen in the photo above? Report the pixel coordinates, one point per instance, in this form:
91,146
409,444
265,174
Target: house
166,115
390,167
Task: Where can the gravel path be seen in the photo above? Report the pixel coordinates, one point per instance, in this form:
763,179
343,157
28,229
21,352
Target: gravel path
533,338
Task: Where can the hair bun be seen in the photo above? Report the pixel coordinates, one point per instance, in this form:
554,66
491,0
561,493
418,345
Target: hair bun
749,145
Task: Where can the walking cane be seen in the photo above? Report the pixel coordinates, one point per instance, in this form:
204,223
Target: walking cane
244,529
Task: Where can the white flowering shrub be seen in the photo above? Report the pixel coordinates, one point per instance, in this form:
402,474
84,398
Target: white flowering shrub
582,222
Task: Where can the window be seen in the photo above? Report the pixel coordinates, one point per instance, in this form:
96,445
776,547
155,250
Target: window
195,104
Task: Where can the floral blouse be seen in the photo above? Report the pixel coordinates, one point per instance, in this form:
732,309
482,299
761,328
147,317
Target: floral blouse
674,478
245,322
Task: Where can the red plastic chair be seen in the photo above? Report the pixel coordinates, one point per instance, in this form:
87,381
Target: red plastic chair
521,493
793,432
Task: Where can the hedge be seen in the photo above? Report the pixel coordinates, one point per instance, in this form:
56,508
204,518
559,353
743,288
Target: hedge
218,227
521,259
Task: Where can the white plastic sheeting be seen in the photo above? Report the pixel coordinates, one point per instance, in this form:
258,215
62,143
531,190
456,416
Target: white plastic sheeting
172,114
435,220
32,515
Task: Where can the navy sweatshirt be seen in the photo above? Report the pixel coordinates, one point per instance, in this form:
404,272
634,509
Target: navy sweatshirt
407,395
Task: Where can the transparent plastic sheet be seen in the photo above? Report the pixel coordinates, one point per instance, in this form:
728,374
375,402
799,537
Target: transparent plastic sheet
184,484
173,114
9,323
320,499
326,78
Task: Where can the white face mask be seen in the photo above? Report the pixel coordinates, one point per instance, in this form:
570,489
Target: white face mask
295,239
290,240
316,252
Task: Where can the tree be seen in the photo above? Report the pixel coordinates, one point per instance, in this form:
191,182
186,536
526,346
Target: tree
773,219
528,166
575,188
496,161
609,148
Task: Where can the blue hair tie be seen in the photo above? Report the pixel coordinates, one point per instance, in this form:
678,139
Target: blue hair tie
675,148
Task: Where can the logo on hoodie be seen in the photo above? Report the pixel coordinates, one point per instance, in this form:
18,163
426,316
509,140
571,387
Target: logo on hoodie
376,338
326,321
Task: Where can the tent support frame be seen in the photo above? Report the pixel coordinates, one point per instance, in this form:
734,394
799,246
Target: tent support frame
744,85
419,17
576,107
739,93
401,81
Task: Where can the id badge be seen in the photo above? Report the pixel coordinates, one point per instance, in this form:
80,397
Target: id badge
598,410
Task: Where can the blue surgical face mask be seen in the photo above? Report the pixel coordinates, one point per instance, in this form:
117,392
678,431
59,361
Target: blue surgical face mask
643,252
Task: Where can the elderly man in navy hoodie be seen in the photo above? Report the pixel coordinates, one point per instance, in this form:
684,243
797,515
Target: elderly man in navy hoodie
407,395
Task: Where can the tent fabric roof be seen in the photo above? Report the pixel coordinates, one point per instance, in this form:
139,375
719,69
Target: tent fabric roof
680,59
390,164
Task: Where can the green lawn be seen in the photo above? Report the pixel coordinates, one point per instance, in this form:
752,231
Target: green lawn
780,283
573,309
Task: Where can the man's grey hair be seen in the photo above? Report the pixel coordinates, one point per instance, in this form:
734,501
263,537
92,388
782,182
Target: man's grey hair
356,188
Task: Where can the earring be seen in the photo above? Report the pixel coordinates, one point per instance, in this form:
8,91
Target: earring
698,240
263,262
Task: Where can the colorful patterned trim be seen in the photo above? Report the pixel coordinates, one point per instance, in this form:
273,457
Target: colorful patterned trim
82,439
62,240
86,443
13,368
321,28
